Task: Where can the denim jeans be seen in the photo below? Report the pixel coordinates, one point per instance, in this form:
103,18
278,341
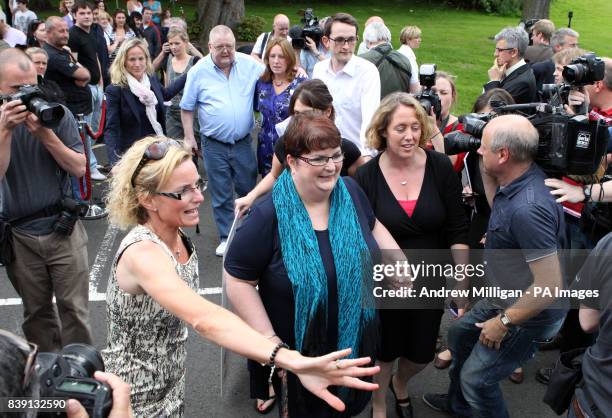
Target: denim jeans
476,370
231,168
93,119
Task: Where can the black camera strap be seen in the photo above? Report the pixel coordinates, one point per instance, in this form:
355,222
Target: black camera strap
264,43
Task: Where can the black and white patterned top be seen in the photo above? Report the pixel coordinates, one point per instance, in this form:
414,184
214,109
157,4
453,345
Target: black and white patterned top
146,343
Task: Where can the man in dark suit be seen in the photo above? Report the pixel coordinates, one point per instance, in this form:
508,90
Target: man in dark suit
510,71
562,39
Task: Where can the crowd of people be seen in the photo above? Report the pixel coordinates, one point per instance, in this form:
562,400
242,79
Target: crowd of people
354,172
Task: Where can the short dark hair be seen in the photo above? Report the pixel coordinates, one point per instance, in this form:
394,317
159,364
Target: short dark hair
315,94
22,1
309,132
343,18
145,8
81,4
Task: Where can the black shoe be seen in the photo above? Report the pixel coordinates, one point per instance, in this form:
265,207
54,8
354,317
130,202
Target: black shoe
437,402
543,375
403,407
553,344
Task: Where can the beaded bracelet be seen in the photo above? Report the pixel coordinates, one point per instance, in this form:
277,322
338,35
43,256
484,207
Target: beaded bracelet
271,362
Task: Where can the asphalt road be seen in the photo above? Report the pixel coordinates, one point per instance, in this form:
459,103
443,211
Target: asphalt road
203,389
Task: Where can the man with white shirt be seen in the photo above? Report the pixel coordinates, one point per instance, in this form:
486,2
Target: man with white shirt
280,29
353,81
510,71
13,37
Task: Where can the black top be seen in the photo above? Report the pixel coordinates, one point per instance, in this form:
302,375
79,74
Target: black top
61,67
85,45
521,85
438,220
255,254
595,275
350,150
102,50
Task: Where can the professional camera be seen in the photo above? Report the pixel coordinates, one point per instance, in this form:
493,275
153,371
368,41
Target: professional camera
69,375
50,114
310,27
584,70
428,98
71,210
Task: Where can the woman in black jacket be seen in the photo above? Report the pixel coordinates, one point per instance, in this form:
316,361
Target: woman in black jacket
135,99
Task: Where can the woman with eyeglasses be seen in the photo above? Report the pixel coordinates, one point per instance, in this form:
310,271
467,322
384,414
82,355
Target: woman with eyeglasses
135,99
152,291
311,96
416,195
308,247
272,95
37,34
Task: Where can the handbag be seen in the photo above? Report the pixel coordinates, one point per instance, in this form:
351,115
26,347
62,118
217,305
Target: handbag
565,376
6,243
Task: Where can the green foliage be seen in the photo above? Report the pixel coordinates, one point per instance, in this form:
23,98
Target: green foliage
194,28
249,28
502,7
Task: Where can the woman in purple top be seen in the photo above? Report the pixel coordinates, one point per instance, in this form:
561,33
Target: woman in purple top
272,95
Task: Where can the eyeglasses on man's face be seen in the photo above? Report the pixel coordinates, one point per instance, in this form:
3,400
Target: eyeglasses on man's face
187,192
321,160
499,50
345,41
222,48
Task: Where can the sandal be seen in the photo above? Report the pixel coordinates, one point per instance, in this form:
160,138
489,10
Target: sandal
403,407
268,408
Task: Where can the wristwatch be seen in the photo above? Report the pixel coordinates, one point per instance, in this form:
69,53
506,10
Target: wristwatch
586,190
505,320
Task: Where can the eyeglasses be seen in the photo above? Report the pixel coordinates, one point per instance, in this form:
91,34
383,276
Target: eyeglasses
342,40
498,50
201,185
29,350
221,48
154,152
322,160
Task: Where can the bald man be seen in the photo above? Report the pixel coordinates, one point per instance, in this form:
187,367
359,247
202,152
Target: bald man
526,231
280,29
35,164
363,46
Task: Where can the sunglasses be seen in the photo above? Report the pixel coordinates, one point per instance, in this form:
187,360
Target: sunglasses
154,152
29,350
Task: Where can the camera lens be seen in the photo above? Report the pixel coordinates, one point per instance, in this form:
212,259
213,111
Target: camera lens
574,73
50,114
84,359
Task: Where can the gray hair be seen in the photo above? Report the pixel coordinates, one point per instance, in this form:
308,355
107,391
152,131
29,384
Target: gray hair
515,37
52,21
377,32
558,38
517,134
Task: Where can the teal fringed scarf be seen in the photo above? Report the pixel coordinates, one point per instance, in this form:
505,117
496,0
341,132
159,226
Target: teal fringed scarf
304,265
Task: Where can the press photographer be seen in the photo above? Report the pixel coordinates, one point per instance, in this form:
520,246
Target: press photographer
43,242
306,40
20,377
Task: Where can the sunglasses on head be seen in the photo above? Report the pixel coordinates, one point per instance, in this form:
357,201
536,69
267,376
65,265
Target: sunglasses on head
155,151
29,350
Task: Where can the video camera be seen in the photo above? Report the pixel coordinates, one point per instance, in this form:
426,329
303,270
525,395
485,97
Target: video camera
310,27
35,100
69,375
427,97
568,144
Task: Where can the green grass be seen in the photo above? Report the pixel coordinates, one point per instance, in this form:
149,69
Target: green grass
458,41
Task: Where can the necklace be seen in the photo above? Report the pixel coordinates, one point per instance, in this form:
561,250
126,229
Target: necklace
279,83
403,183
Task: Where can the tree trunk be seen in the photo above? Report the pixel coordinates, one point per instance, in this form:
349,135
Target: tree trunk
218,12
535,9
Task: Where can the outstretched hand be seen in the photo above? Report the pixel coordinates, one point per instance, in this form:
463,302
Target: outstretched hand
564,191
318,373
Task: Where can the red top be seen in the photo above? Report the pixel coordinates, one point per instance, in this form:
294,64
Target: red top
408,206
